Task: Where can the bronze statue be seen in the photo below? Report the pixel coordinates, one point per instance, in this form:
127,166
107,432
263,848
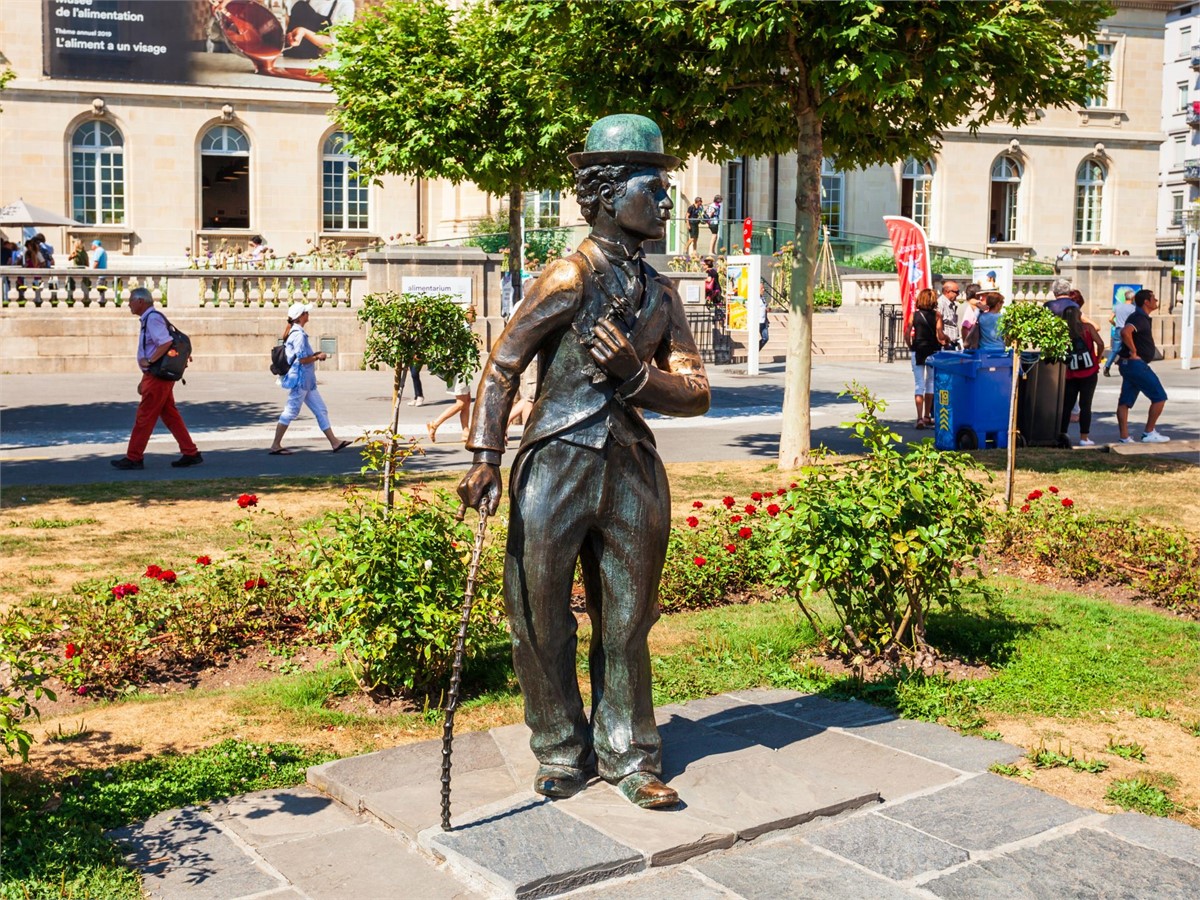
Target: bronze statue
610,338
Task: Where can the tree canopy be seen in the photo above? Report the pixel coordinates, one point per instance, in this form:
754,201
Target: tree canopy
860,81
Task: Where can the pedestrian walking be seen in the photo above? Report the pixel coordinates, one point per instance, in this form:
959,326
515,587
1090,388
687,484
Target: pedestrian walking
1137,352
301,380
695,213
1083,371
712,215
1120,315
461,391
158,394
414,375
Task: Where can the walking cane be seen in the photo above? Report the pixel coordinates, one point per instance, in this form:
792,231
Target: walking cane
460,645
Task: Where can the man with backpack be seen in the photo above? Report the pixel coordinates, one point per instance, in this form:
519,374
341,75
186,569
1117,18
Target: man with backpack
155,341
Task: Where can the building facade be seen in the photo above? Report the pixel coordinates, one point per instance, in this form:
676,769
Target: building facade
236,146
1179,159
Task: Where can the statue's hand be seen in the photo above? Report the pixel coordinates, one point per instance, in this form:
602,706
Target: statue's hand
480,488
612,350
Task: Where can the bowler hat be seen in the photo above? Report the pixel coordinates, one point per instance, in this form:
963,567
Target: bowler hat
621,140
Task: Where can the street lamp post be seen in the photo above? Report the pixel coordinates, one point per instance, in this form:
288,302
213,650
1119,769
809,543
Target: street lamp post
1191,225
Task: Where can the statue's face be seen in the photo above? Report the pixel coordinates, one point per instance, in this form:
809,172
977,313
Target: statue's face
645,206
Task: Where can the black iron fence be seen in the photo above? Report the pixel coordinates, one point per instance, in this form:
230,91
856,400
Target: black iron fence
712,339
892,345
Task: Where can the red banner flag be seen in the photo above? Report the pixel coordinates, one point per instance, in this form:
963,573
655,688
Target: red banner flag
911,249
747,234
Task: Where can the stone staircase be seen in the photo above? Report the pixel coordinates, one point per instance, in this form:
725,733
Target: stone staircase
838,336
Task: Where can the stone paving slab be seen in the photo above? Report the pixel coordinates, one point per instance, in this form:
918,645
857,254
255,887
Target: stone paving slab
793,870
938,743
663,836
534,850
985,812
268,817
513,741
887,847
893,773
679,884
758,797
349,780
362,862
1172,838
688,745
182,853
1084,864
418,805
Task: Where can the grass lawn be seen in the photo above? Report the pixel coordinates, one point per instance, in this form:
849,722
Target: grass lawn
1105,695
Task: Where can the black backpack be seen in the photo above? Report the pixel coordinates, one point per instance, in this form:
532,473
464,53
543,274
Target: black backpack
171,365
279,363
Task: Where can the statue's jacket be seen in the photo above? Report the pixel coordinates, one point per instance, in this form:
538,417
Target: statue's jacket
577,401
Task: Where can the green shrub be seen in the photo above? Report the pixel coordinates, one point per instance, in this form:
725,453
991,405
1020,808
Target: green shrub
388,589
884,537
24,669
716,553
1160,564
826,298
1031,326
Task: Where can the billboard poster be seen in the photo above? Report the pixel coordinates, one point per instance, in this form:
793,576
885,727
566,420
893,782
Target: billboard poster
743,276
1123,293
232,43
995,273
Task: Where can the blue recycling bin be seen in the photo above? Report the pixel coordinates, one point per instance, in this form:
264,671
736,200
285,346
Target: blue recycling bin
972,395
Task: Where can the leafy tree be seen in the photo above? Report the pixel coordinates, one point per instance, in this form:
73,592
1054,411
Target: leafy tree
860,81
435,91
405,330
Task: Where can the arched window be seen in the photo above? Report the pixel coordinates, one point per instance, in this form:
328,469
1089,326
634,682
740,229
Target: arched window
833,189
345,202
1089,202
1002,216
916,194
225,178
98,174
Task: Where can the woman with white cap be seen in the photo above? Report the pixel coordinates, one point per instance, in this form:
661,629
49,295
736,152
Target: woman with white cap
303,380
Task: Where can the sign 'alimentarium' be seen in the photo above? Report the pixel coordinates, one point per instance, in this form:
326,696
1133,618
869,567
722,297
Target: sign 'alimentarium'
239,43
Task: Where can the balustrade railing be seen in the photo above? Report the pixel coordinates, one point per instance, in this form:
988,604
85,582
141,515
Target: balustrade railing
179,288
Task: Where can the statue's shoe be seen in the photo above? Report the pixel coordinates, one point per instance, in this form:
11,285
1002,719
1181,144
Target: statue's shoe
646,790
559,782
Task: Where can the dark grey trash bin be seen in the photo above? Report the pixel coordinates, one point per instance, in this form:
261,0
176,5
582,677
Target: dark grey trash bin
1040,402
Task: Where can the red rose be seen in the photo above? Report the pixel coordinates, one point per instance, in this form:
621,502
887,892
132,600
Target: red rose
745,532
167,577
204,560
699,560
72,651
732,548
773,510
696,504
152,572
247,500
751,509
1052,489
1025,508
692,521
729,501
81,690
125,590
792,485
756,496
735,519
1034,495
1068,502
780,492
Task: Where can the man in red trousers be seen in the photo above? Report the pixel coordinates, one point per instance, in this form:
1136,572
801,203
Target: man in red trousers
158,400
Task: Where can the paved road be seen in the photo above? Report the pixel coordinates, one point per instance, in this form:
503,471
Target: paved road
63,429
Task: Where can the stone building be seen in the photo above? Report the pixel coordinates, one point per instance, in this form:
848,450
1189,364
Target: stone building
227,147
1179,159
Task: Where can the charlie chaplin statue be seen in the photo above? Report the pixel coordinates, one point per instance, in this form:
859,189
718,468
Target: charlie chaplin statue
610,338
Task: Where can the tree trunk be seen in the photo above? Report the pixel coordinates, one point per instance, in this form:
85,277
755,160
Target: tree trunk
516,249
389,460
795,438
